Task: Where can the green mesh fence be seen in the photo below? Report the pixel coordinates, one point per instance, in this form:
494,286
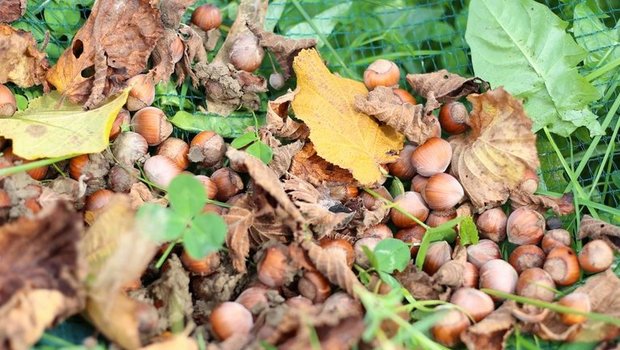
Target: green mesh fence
420,35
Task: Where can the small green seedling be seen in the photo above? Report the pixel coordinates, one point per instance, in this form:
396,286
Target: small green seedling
184,222
254,145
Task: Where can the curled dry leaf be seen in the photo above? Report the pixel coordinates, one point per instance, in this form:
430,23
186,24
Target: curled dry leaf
194,53
140,194
309,166
11,10
364,218
333,265
442,86
283,157
490,161
283,48
560,206
492,332
410,120
420,284
315,206
239,219
603,290
20,60
117,253
113,45
451,273
597,229
41,274
340,134
267,179
280,123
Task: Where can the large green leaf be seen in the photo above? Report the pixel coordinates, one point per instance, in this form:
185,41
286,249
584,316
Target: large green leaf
53,127
232,126
523,46
187,196
324,21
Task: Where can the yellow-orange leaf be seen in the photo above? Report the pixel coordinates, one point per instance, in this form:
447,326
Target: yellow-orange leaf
340,134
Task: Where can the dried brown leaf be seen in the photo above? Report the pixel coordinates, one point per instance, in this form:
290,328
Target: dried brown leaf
11,10
20,60
140,194
492,332
41,275
419,284
410,120
603,289
239,220
283,48
442,86
491,159
597,229
309,166
282,154
280,123
315,206
560,206
194,53
333,265
267,179
113,45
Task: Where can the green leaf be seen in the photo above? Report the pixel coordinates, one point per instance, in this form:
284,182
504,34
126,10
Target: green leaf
370,255
261,151
523,46
234,125
187,196
274,12
60,128
244,140
391,254
158,223
324,21
396,187
468,231
443,232
62,17
206,235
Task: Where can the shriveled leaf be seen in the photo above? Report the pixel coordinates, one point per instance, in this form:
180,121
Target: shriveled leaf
340,134
442,86
11,10
283,157
41,275
523,46
597,229
60,127
234,125
280,123
309,166
315,206
603,290
410,120
492,332
490,160
239,219
419,284
117,253
561,206
283,48
265,178
21,62
333,265
113,45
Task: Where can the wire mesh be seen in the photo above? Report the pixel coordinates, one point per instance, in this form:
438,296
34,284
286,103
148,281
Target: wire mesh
419,35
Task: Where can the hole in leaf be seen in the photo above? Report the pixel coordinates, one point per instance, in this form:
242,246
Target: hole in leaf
88,72
78,49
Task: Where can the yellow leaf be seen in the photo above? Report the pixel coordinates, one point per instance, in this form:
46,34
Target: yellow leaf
340,134
53,127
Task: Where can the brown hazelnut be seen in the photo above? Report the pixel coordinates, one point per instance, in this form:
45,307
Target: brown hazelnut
477,304
210,186
536,283
207,17
530,181
372,203
228,183
246,54
447,331
142,93
8,104
314,286
562,265
418,183
202,267
470,275
412,203
483,251
555,238
526,256
525,226
129,147
381,73
253,297
499,275
402,167
121,178
596,256
492,224
381,231
98,199
453,117
230,318
339,246
432,157
442,192
360,256
405,96
122,120
175,149
437,217
578,301
273,268
207,148
161,170
438,253
152,124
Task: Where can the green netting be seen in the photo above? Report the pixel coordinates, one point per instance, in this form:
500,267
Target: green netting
420,35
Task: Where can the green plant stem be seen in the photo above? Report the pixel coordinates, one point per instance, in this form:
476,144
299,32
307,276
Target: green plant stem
308,19
553,307
31,165
165,255
56,340
605,158
395,206
604,69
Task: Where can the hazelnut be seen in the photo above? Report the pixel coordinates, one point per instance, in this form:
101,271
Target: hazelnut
412,236
253,297
202,267
578,301
142,93
405,96
381,231
402,167
122,120
230,318
477,304
596,256
536,283
276,80
372,203
207,148
98,199
273,268
438,253
525,226
453,117
413,204
152,124
8,104
339,246
483,251
432,157
360,256
381,73
175,149
562,265
530,181
206,17
442,192
470,275
526,256
228,183
129,147
447,331
418,183
555,238
246,54
499,275
210,186
492,224
161,170
120,179
437,217
177,49
314,286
